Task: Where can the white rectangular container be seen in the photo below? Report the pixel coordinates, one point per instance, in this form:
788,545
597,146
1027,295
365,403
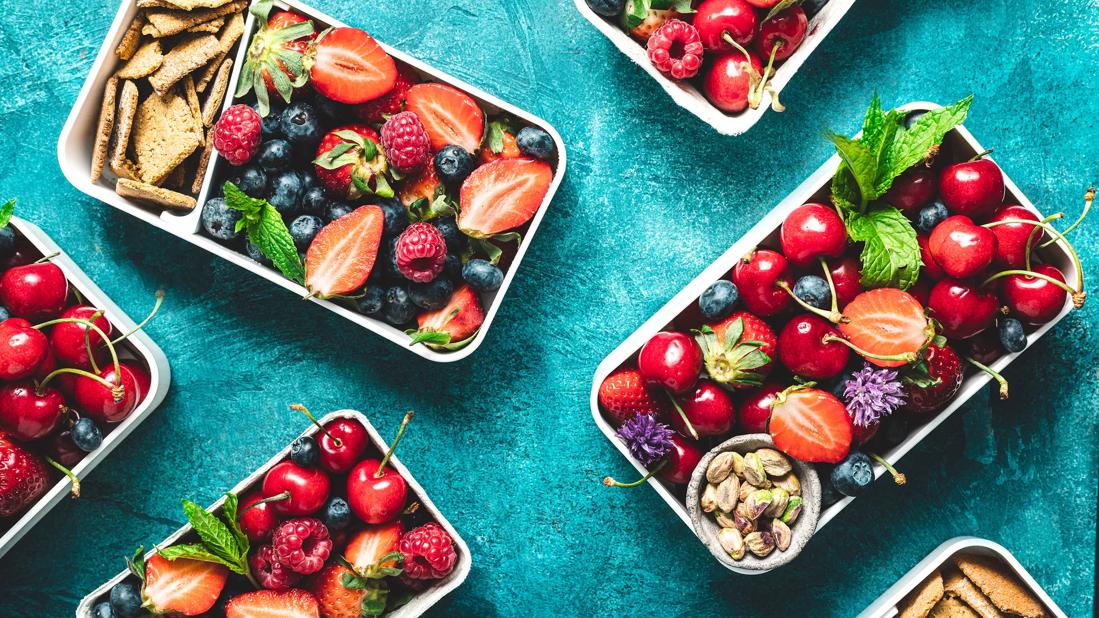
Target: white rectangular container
886,605
137,346
74,151
415,607
817,185
690,98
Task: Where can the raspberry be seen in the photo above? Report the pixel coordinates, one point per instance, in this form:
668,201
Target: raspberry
675,48
376,111
302,545
428,554
271,574
237,134
405,142
421,251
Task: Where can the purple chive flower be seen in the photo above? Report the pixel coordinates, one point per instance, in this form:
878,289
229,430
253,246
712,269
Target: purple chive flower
648,439
872,394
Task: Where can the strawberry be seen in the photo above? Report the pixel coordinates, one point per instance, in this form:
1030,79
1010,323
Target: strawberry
350,67
276,55
343,253
811,425
351,165
624,394
273,604
454,325
374,544
449,115
739,350
654,19
943,365
424,185
886,326
376,111
336,600
509,149
23,477
370,557
182,586
502,195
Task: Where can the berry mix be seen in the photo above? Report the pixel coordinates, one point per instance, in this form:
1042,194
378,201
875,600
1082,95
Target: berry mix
858,320
330,531
401,198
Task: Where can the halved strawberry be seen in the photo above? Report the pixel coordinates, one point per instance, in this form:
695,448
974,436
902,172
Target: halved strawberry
886,322
293,603
182,586
624,394
342,255
369,547
350,67
811,425
502,195
454,325
375,112
449,115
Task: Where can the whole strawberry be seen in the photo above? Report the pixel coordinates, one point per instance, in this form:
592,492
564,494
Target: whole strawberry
421,252
302,545
428,554
376,111
942,364
405,142
350,164
22,477
623,395
237,134
738,351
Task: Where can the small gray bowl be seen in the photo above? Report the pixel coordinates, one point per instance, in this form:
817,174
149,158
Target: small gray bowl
706,528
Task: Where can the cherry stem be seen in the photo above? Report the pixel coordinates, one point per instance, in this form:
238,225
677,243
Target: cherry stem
275,498
99,331
833,316
898,477
1078,296
68,473
393,447
981,154
831,286
610,482
148,318
758,84
1057,235
118,391
682,415
47,258
908,357
1033,230
1089,197
765,83
88,341
300,408
990,371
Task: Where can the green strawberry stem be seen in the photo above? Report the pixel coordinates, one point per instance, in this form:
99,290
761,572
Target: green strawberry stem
682,415
68,473
301,408
1089,197
106,341
780,397
118,391
908,357
275,498
610,482
833,316
898,477
393,447
992,372
831,286
145,322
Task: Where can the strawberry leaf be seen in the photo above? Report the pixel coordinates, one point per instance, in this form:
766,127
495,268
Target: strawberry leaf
136,563
780,7
373,603
6,212
261,9
494,136
635,13
890,253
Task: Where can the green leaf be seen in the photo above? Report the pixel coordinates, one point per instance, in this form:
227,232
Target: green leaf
635,14
373,603
261,9
845,194
495,136
488,249
913,145
229,512
860,163
352,582
682,6
274,241
429,337
249,206
780,7
194,551
918,374
890,253
215,535
6,212
136,564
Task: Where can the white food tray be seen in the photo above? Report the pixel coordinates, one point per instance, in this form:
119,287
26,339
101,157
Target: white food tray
74,151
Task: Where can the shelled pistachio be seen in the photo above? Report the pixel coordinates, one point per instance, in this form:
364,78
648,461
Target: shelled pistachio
779,498
781,533
727,493
790,483
725,520
754,473
757,503
732,542
774,462
708,499
720,467
760,543
793,509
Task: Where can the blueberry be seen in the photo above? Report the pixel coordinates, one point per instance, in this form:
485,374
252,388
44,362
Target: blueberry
7,241
301,125
814,291
852,475
894,430
535,142
387,261
272,127
304,229
719,300
331,111
126,599
372,300
453,164
275,155
337,514
335,210
812,7
314,201
1012,335
912,117
828,493
103,610
452,267
304,452
86,435
219,220
398,309
455,240
607,8
482,275
251,179
396,216
309,179
431,295
4,313
253,252
285,192
930,216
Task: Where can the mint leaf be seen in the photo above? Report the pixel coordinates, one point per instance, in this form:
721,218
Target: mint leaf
635,13
229,512
249,206
216,536
274,241
912,145
845,194
6,212
194,551
861,165
890,253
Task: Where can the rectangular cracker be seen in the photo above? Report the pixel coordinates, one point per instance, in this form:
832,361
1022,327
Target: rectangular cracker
182,5
131,39
168,22
192,97
210,27
203,163
230,34
958,585
105,127
192,53
217,93
152,194
124,122
145,61
165,133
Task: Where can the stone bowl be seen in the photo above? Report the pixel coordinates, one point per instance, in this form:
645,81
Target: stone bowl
706,528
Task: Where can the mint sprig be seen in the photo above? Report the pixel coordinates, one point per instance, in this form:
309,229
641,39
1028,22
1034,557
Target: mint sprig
222,542
6,212
890,253
266,230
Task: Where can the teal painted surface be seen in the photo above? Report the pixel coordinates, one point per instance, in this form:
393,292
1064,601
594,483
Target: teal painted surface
503,441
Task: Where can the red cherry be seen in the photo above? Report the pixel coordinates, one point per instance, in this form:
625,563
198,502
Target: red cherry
672,360
715,19
755,407
22,349
97,400
757,275
962,308
141,377
931,268
1032,299
67,338
783,34
259,521
29,414
708,408
921,291
912,190
682,460
960,247
306,489
46,367
812,231
35,291
342,445
61,448
763,4
728,79
1012,244
846,277
984,347
972,188
803,350
377,493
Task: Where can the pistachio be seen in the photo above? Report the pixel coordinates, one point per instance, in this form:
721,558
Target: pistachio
793,509
781,533
738,464
760,543
744,490
757,503
727,493
779,498
743,523
725,520
708,500
774,462
720,467
731,541
753,470
790,483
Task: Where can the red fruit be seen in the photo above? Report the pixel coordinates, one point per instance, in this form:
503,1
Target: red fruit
96,400
22,349
682,460
302,545
271,573
804,351
763,4
984,347
61,448
755,407
182,586
654,19
942,363
715,19
1014,240
782,34
420,252
350,67
757,276
886,322
342,444
846,278
354,173
257,522
812,231
376,498
455,324
624,394
237,134
972,188
46,368
372,544
141,377
960,247
67,338
503,195
428,554
1034,300
676,49
341,256
423,185
728,80
274,49
912,190
740,351
35,292
811,425
709,409
931,268
671,360
307,488
405,142
334,599
271,604
509,149
449,115
29,412
376,111
921,291
963,309
23,477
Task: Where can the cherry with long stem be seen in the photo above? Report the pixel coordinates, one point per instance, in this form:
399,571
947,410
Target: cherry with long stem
1078,294
118,391
1089,197
301,408
393,447
610,482
834,316
992,372
682,415
898,477
275,498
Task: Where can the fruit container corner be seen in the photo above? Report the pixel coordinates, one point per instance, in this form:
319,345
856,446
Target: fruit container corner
690,98
885,605
139,346
766,231
417,606
74,149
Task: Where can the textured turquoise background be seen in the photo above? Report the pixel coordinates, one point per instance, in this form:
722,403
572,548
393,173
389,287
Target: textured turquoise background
504,442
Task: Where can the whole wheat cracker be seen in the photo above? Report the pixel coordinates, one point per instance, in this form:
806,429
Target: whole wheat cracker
152,194
104,128
210,27
958,585
174,180
227,38
165,133
192,53
919,602
124,122
145,61
131,39
203,163
182,5
1000,585
192,97
214,100
951,607
167,22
